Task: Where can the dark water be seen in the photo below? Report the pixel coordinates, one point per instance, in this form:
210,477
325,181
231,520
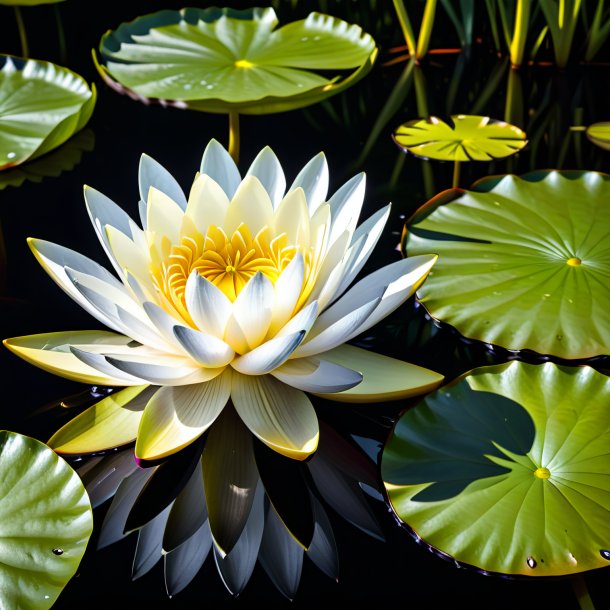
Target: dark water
545,102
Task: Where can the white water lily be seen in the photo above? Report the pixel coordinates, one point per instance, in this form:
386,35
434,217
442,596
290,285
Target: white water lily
238,294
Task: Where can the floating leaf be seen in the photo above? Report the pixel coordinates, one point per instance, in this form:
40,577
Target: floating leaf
523,262
45,523
599,134
508,469
468,138
41,106
226,60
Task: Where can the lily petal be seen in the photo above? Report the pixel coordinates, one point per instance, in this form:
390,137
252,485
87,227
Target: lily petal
250,205
163,216
345,206
313,179
110,423
153,174
268,170
51,352
176,416
207,350
280,416
218,164
317,375
98,362
207,305
287,289
208,204
384,378
269,355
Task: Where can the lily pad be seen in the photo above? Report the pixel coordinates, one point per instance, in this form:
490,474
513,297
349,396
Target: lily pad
41,106
226,60
508,469
45,523
523,262
599,134
467,138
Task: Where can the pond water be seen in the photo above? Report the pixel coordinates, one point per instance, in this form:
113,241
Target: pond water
349,128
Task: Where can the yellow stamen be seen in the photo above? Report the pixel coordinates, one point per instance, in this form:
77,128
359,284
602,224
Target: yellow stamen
243,63
542,473
574,262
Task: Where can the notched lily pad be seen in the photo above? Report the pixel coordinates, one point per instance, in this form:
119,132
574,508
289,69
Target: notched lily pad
466,138
226,60
523,262
45,523
41,106
508,469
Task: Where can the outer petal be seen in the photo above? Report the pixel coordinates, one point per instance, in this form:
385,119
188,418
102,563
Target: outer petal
269,355
207,350
174,417
218,164
317,375
384,378
110,423
280,416
345,206
152,173
51,352
313,179
268,170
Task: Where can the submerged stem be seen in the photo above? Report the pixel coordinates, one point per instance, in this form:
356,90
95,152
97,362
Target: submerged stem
61,35
456,174
234,136
22,35
579,585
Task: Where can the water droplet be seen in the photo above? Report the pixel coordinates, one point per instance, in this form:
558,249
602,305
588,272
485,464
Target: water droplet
299,85
304,39
531,562
210,87
316,38
11,155
187,86
58,551
605,554
46,597
203,82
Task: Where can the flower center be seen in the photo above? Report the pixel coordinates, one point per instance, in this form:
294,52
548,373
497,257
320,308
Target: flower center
229,262
542,473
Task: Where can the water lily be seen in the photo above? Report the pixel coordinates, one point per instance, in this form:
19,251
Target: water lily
240,294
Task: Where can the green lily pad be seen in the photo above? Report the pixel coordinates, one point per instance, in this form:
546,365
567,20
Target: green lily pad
599,134
523,262
469,138
51,165
224,60
508,469
41,106
45,523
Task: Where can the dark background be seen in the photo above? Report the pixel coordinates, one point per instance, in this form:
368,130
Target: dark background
398,572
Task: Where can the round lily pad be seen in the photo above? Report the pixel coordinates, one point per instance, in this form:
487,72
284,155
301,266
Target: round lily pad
41,106
599,134
45,523
508,469
226,60
523,262
466,138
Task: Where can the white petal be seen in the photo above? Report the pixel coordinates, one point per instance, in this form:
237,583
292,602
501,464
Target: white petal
287,289
207,305
250,205
152,173
163,216
205,349
345,206
313,179
208,204
304,320
103,212
252,312
317,375
367,235
55,258
268,170
268,356
163,322
218,164
330,331
129,255
98,361
173,371
292,217
397,282
175,416
280,416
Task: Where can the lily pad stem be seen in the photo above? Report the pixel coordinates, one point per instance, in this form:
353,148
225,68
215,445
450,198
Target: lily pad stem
234,136
456,174
579,585
22,35
61,35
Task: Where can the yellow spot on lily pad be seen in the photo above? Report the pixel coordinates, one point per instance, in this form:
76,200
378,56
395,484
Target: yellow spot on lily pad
542,473
243,63
574,261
